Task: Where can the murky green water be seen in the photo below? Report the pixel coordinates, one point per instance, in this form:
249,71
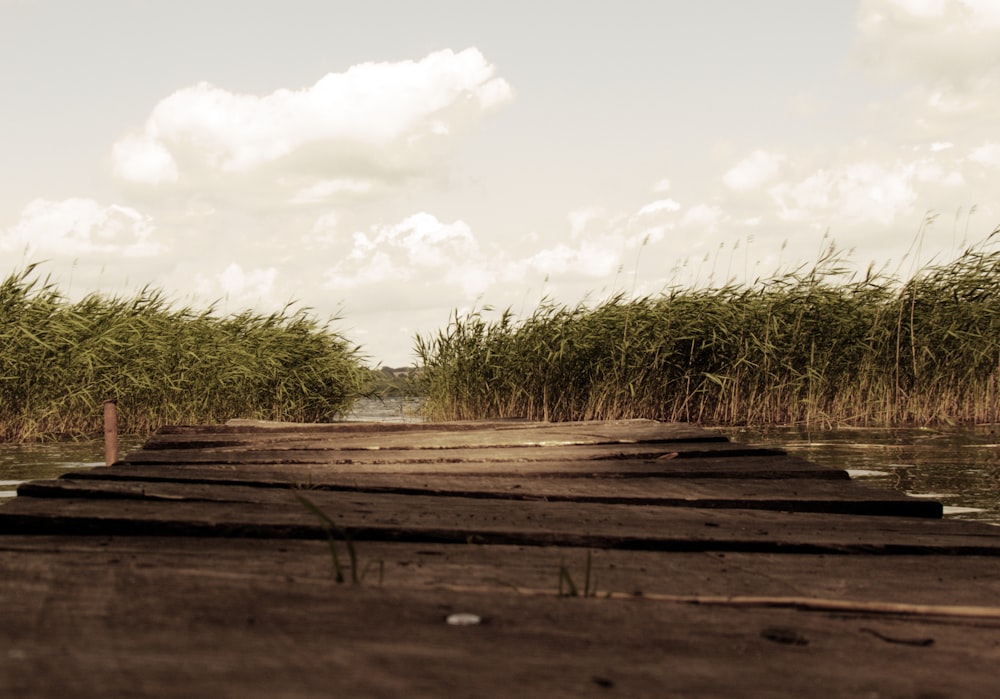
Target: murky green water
960,468
23,462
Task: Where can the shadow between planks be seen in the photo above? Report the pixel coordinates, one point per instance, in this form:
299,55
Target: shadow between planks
193,568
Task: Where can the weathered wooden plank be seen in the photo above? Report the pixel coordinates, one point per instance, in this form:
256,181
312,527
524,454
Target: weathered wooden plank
769,494
362,448
261,466
729,462
234,511
913,580
439,436
321,451
628,428
196,631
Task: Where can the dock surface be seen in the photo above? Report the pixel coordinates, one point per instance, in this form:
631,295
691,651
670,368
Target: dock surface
482,559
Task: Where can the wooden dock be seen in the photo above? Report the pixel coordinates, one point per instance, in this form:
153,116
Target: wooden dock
600,559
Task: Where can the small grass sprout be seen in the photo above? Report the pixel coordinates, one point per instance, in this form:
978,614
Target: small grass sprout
568,588
333,533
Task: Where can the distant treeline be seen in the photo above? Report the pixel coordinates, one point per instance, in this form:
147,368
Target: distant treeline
399,382
815,345
59,361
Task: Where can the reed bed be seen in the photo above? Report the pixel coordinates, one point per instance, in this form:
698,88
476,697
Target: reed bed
821,345
59,361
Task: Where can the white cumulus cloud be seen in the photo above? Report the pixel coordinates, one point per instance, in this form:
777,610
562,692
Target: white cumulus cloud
580,219
363,112
143,160
704,216
80,227
987,154
955,43
239,283
418,247
428,242
754,171
854,193
658,206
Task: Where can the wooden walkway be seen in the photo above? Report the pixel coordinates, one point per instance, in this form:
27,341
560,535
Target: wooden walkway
202,566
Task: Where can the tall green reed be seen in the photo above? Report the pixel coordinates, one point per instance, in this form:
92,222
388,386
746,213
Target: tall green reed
59,361
819,344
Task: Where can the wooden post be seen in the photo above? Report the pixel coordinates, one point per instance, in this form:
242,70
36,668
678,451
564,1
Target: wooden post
110,432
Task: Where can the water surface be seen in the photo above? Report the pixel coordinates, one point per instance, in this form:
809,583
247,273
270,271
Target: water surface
959,467
31,461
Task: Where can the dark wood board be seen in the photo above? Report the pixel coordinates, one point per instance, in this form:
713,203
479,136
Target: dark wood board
311,466
794,495
322,451
900,579
350,435
172,509
171,626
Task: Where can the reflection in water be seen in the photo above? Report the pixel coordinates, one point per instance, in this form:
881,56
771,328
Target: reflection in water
22,462
388,410
959,467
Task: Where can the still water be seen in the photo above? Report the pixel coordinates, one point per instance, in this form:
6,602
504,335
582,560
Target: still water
25,462
958,467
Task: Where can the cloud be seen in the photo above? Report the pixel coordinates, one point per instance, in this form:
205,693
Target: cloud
987,154
884,191
658,206
371,117
598,247
325,189
428,242
418,247
705,216
324,231
445,264
79,227
232,286
143,160
593,258
580,219
971,15
754,171
952,44
853,193
255,284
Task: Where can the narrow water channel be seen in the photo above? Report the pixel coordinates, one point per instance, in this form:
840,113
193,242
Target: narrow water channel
958,467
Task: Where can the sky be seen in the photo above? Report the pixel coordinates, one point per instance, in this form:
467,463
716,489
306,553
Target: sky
390,162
